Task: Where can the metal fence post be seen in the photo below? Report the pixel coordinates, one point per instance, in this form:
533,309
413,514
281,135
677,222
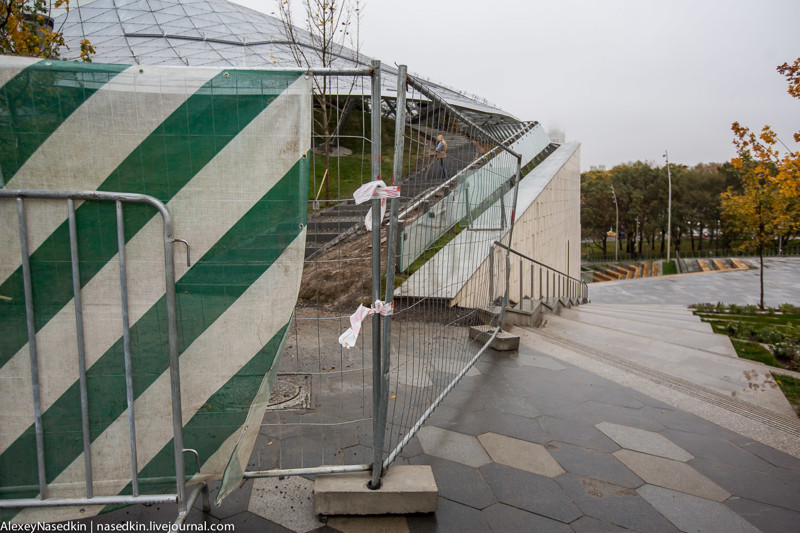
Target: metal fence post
378,425
491,274
391,258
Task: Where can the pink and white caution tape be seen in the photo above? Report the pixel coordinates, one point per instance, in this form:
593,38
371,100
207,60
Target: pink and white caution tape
349,337
375,189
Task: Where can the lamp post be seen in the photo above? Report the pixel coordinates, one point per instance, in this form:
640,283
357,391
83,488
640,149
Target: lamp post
616,226
669,207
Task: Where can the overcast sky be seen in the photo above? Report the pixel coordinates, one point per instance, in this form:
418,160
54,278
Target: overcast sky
625,78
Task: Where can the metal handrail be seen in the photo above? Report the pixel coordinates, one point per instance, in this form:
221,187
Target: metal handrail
532,260
572,287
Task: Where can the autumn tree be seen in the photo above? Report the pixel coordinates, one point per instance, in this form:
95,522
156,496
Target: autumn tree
27,29
767,207
328,26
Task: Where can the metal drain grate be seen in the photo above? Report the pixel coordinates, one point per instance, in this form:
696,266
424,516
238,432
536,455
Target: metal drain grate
291,392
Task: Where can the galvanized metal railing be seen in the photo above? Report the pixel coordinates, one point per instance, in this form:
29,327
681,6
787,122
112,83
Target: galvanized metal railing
542,283
180,496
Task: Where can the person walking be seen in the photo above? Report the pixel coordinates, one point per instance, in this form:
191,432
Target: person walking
441,155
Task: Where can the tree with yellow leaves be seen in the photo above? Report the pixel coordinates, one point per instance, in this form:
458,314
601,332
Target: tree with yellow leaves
27,29
767,207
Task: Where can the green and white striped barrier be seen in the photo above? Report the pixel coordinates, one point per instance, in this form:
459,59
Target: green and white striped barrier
227,151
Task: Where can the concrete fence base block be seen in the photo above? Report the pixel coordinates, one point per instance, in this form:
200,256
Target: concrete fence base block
405,489
504,341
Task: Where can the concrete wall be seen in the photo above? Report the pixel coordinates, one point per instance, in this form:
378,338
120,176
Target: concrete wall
547,229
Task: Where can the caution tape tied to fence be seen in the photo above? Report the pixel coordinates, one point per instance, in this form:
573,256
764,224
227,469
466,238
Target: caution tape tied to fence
348,338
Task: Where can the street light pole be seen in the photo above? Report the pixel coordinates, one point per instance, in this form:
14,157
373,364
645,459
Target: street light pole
616,226
669,207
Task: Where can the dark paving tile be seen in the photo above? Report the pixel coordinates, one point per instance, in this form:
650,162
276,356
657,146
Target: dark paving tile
592,525
617,396
765,517
555,406
235,503
773,456
513,404
412,448
614,504
252,522
502,518
718,450
576,433
673,418
593,464
457,482
530,492
451,517
145,514
492,420
625,416
750,484
519,427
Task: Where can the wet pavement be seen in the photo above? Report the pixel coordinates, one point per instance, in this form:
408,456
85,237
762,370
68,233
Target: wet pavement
586,433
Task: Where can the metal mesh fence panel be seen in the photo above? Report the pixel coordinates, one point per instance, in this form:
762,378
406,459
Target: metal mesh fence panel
457,199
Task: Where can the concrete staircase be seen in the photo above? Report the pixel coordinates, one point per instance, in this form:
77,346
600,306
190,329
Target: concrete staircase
328,226
670,346
633,271
528,313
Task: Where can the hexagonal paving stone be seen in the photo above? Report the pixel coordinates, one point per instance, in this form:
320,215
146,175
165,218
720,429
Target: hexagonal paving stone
288,502
452,446
520,454
671,474
690,513
644,441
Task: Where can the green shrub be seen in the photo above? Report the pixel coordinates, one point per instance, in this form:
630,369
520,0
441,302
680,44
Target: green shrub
789,308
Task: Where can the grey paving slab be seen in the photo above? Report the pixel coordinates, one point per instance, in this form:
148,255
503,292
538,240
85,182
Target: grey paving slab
746,380
451,517
287,502
533,493
501,518
773,456
661,330
384,524
540,361
253,522
576,433
587,524
719,450
644,441
520,454
623,415
613,396
459,483
593,464
452,446
671,475
750,484
234,504
690,513
558,407
781,285
613,504
768,518
671,315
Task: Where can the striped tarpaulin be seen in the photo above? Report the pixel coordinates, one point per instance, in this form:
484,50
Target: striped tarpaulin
227,151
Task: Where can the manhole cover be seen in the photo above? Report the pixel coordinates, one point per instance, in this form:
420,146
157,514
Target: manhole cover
291,392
